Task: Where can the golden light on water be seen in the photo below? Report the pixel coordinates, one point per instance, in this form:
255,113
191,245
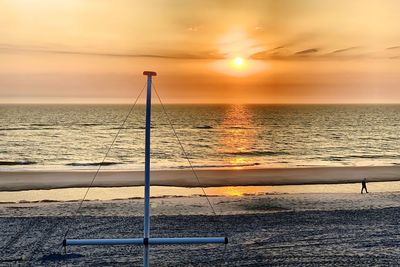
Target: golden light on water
233,191
75,194
238,135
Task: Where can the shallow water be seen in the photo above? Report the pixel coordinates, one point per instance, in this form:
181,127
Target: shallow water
77,136
98,193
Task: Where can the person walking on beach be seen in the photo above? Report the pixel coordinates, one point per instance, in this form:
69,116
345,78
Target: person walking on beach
364,185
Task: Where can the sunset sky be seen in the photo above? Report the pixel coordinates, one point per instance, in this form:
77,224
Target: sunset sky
297,51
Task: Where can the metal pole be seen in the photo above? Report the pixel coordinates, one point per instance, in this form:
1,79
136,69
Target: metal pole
146,240
146,231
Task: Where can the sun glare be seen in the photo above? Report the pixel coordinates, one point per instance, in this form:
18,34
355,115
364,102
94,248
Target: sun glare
239,66
238,61
238,49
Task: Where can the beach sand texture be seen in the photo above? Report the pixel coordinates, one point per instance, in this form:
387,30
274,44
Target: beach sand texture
288,229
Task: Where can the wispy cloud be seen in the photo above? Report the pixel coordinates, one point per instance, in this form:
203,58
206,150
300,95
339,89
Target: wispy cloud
280,52
307,51
393,47
343,50
166,54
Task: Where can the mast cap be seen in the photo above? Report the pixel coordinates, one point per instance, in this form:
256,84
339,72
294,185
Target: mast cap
150,73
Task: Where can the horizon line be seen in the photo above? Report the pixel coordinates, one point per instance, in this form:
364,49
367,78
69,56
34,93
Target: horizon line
202,103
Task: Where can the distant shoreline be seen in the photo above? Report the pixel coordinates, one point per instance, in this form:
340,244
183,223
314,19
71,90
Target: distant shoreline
42,180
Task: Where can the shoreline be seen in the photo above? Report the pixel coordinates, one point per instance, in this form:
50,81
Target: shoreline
197,205
11,181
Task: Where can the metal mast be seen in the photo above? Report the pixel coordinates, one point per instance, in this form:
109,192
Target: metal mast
146,230
146,241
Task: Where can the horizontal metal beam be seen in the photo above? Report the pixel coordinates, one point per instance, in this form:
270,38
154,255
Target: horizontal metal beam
187,240
95,242
143,241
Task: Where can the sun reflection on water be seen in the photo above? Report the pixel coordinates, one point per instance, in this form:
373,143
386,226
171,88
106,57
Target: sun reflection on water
232,191
237,137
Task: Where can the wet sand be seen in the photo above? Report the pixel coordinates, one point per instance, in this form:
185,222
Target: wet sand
34,180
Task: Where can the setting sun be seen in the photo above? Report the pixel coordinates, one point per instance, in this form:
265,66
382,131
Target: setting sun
239,67
238,61
238,47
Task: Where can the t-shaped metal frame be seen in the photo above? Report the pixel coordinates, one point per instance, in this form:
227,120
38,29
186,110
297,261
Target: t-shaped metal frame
146,241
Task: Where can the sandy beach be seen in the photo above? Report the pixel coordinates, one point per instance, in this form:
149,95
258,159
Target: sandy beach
31,180
265,230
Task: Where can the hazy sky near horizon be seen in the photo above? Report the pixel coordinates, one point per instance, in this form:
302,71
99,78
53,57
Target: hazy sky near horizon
292,51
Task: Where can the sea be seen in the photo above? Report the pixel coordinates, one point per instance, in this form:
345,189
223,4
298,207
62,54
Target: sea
69,137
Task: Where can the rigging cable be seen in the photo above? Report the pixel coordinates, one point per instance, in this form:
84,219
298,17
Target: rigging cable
191,167
105,156
184,151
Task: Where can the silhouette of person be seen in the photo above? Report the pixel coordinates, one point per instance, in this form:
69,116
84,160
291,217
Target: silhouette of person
364,185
